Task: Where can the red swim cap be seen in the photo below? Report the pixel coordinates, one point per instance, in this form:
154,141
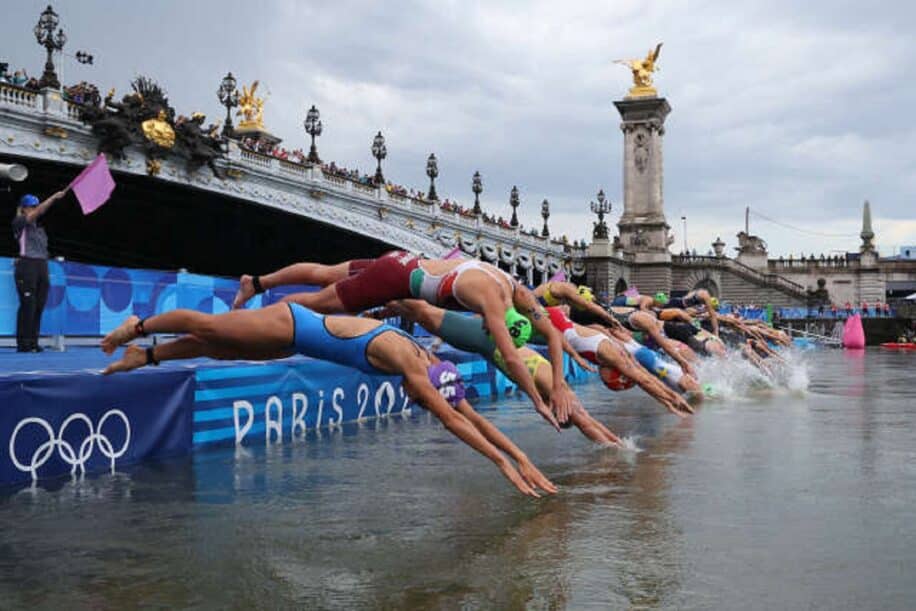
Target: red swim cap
615,380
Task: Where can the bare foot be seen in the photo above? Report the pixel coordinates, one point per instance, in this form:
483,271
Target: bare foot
245,292
134,357
120,336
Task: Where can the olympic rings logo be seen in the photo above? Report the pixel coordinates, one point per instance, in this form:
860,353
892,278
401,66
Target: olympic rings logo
76,459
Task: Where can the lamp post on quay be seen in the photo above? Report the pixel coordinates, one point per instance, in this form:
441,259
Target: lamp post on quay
477,188
600,231
545,213
46,37
313,128
379,151
513,201
432,170
229,97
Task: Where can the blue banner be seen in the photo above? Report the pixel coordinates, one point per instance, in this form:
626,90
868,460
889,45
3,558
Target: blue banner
270,402
52,425
94,299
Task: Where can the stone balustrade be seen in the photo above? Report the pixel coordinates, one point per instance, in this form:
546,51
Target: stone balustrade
273,181
11,95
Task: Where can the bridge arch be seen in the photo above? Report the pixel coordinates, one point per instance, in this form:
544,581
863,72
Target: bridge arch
700,279
620,286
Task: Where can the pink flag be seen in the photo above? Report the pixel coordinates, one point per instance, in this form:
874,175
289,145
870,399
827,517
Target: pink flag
94,185
560,276
454,253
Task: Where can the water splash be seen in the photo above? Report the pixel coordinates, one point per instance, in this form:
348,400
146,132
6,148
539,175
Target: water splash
628,444
734,377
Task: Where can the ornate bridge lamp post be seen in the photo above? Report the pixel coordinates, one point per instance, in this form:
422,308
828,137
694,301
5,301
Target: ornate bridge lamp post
545,214
603,207
477,188
432,170
313,128
379,152
229,97
44,34
513,201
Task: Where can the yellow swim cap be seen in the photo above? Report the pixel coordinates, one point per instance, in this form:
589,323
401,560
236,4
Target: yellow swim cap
586,293
715,303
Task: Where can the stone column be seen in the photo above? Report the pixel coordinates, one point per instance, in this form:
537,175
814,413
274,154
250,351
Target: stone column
643,228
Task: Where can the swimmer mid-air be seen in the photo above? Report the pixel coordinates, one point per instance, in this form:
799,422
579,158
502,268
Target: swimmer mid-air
466,333
283,329
358,285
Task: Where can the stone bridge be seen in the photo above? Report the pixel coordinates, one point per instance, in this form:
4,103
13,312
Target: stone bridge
41,126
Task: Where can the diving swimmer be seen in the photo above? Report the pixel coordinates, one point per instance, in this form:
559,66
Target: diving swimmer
283,329
361,284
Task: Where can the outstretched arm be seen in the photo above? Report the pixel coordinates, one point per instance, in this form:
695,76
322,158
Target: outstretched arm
667,345
493,318
33,214
420,390
562,398
532,475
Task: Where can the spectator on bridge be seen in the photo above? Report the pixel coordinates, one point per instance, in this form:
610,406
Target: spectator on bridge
31,269
865,309
833,310
887,309
20,78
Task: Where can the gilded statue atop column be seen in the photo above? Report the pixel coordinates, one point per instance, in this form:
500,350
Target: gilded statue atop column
642,73
251,108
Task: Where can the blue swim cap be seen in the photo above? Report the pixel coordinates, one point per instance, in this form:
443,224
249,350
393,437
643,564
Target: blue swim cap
446,378
28,201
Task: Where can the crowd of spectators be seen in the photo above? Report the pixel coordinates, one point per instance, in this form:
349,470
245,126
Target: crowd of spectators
341,172
83,93
19,78
278,152
877,309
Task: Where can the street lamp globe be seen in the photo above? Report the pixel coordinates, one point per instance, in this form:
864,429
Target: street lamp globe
477,188
379,151
313,128
432,170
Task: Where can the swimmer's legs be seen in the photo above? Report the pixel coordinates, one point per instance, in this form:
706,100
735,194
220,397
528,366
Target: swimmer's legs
188,347
263,330
325,301
298,273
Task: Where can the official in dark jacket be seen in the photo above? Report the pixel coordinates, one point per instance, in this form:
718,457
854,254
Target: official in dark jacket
31,270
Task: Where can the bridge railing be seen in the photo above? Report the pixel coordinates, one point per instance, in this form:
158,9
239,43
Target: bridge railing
13,95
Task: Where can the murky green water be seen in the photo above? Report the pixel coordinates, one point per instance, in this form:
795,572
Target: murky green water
767,500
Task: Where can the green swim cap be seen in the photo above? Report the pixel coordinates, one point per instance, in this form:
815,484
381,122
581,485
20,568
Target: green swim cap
661,297
709,390
519,327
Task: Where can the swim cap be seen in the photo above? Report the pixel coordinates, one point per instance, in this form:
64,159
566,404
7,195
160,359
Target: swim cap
615,380
446,378
28,201
661,298
709,390
519,327
586,293
715,302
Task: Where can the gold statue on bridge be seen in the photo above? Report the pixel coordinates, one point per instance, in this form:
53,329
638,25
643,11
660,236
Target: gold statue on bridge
252,108
642,73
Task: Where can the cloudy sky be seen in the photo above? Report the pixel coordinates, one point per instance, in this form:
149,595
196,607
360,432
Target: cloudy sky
799,110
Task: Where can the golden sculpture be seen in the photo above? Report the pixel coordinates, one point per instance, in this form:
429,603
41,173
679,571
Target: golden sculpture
252,108
642,73
159,131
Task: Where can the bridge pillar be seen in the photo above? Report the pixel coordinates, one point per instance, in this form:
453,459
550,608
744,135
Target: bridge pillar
643,228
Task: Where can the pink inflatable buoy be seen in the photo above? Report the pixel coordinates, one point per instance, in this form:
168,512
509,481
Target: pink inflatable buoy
854,334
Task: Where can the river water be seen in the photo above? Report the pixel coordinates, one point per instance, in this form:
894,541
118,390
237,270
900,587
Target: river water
798,497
